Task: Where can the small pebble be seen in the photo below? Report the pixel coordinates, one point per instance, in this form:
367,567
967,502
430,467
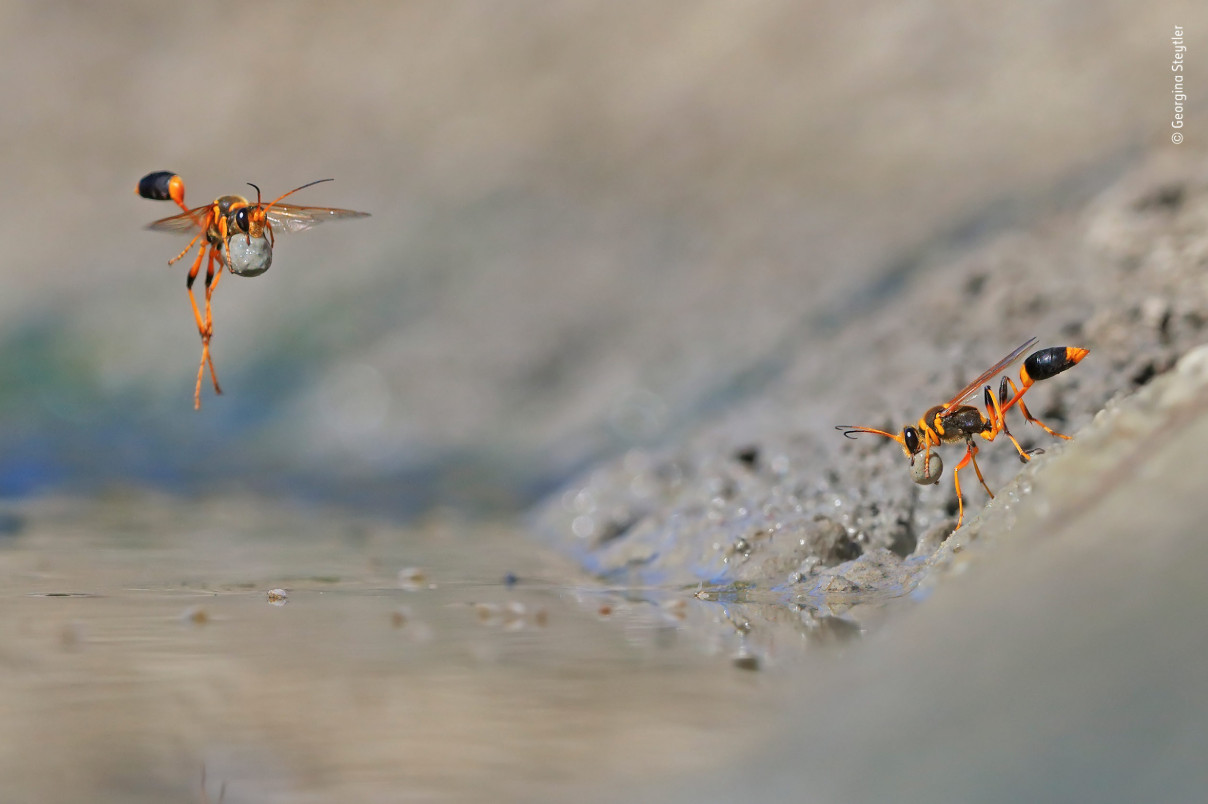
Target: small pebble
196,615
486,612
926,472
745,660
412,579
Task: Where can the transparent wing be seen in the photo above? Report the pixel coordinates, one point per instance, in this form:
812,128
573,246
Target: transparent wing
997,368
185,222
290,218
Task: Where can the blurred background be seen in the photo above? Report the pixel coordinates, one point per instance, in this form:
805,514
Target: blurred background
598,225
595,224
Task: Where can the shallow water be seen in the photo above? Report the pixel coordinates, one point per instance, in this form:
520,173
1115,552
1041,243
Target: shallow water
445,662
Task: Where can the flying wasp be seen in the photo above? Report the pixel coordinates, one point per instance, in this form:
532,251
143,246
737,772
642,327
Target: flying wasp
235,234
954,421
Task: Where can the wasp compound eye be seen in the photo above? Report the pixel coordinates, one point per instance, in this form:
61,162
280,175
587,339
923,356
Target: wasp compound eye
241,220
911,437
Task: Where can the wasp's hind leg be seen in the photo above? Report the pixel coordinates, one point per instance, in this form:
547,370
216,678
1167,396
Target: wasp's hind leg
205,323
970,457
185,251
998,420
1027,414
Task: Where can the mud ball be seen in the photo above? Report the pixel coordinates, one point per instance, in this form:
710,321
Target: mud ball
926,472
249,258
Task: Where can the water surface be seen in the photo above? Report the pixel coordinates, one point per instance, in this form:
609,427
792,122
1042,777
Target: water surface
143,638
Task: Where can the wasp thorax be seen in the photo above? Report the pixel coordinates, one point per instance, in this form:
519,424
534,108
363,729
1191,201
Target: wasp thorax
926,468
248,256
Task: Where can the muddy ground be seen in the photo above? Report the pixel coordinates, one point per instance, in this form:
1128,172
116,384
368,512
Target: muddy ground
772,497
1057,656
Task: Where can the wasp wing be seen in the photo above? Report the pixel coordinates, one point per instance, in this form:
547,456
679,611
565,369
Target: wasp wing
997,368
290,218
184,223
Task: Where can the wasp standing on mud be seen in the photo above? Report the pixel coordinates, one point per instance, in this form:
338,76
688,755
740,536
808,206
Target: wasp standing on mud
955,421
233,232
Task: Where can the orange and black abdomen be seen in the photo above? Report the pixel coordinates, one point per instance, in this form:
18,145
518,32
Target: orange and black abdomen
160,186
1050,362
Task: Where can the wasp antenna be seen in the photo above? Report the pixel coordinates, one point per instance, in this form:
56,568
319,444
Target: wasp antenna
257,189
296,189
848,430
310,184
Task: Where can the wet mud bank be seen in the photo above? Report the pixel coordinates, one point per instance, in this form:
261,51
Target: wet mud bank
1058,657
770,498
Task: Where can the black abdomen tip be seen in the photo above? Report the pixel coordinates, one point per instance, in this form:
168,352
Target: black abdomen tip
1052,361
156,185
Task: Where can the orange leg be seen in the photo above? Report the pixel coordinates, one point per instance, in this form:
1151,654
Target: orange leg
205,323
206,326
202,226
972,452
212,277
206,359
970,455
181,255
192,277
998,418
205,355
1017,396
